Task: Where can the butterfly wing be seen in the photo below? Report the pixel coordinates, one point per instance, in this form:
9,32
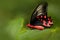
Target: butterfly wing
40,10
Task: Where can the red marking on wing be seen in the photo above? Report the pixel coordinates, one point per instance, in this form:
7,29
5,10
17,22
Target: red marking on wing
44,16
41,16
50,22
46,25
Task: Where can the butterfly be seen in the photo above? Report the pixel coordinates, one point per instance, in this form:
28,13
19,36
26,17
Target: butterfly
39,18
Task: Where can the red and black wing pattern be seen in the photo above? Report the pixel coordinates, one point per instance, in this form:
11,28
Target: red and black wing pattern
39,18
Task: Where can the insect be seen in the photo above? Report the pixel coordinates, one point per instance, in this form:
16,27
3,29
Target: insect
39,19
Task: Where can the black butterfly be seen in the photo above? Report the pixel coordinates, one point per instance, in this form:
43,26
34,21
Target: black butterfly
39,18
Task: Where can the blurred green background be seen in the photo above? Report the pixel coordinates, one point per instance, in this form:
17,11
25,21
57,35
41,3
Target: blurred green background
15,14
